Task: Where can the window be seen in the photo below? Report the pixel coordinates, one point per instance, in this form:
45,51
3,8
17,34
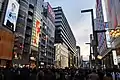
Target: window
1,6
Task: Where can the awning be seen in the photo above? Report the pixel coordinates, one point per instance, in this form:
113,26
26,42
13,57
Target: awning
106,52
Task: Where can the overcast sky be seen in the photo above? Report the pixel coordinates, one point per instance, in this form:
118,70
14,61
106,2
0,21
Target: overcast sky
79,23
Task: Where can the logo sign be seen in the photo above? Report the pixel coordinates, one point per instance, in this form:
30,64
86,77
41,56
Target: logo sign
115,57
11,14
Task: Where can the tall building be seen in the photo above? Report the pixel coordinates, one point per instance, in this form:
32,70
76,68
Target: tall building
36,31
20,31
47,55
63,34
8,17
61,55
27,31
113,17
104,50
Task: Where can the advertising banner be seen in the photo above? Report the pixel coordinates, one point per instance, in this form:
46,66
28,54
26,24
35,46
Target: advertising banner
35,34
112,13
99,25
11,14
117,8
50,13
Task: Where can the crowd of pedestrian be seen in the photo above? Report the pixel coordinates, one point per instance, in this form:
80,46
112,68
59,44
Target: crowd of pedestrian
26,73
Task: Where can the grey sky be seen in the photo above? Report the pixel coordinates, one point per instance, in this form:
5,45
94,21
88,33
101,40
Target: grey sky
80,23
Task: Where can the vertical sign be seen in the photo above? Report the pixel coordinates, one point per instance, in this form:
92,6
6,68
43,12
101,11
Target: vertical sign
115,57
35,41
108,40
117,8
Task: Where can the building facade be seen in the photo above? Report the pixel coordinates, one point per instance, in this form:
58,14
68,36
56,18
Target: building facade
113,14
27,31
61,55
36,31
20,31
78,55
104,50
7,28
47,55
63,33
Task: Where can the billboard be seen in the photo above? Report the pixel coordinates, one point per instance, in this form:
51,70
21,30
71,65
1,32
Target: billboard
112,13
50,13
117,8
35,34
11,14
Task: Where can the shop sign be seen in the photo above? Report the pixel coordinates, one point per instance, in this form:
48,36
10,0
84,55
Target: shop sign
115,60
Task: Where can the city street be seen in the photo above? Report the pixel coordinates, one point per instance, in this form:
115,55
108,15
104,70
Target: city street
59,39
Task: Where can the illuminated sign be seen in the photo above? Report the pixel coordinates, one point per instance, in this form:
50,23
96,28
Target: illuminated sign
115,57
115,33
11,14
108,40
35,34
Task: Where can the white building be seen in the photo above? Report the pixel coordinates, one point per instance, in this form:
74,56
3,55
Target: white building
61,55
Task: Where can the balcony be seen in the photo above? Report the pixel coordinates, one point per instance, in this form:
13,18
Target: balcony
28,32
42,50
42,44
21,20
27,40
30,11
29,24
44,19
49,57
26,48
30,18
43,40
31,5
48,50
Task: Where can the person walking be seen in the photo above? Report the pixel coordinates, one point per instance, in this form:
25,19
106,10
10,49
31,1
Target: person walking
93,76
108,76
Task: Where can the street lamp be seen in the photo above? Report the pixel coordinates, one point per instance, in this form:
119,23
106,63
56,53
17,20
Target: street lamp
95,41
88,43
92,17
93,29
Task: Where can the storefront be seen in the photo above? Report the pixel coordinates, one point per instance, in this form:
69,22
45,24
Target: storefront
6,47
